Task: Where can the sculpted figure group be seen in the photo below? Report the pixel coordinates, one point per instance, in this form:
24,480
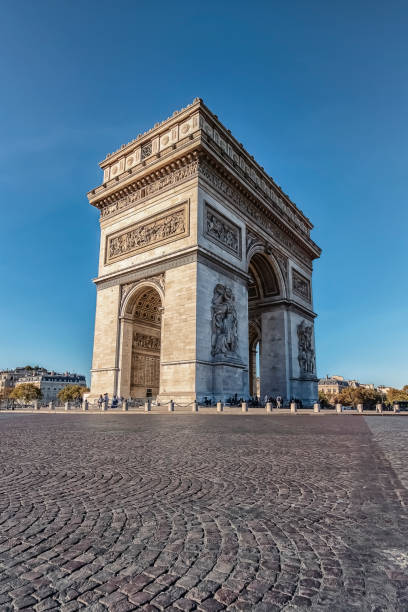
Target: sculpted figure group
224,323
306,354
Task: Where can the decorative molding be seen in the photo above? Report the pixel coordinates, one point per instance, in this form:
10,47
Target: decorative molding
282,263
220,230
306,354
145,341
142,192
146,150
253,211
301,285
252,240
154,231
144,272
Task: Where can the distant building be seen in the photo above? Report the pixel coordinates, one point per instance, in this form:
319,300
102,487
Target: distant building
50,383
383,389
332,385
9,378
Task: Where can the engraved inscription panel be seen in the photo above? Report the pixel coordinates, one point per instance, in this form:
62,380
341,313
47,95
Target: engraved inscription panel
148,234
222,231
145,370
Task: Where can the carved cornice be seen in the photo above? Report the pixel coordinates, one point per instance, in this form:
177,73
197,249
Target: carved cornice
254,210
137,192
196,121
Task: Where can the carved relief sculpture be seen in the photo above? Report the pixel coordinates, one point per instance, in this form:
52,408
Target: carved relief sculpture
300,285
306,354
224,323
222,231
146,342
148,234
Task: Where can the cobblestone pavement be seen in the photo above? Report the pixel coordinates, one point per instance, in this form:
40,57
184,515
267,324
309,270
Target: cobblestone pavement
202,512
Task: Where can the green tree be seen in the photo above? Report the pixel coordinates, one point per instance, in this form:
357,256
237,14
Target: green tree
71,393
26,392
397,395
324,399
352,396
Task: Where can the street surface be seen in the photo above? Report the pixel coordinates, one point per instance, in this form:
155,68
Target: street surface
203,512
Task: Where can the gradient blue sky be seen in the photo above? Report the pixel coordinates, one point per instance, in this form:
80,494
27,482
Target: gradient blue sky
316,91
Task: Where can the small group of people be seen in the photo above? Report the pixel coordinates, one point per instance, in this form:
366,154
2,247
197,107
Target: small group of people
104,399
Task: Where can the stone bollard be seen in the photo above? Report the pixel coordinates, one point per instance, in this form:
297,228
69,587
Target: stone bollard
293,407
171,406
396,408
125,406
148,406
379,408
360,408
195,406
66,406
339,408
316,407
36,406
220,407
85,405
244,407
51,406
268,407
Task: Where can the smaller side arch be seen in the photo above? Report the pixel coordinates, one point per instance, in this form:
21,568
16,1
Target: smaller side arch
131,295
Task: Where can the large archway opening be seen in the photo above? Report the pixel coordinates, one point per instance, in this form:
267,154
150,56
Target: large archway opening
146,313
263,287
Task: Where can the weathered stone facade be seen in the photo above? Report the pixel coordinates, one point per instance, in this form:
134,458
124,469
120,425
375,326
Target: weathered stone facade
202,257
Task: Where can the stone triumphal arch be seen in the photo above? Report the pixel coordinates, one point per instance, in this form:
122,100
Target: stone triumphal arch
205,267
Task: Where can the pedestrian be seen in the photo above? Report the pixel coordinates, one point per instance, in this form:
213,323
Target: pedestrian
100,401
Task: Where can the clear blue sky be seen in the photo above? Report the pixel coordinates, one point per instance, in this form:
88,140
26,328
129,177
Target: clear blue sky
316,91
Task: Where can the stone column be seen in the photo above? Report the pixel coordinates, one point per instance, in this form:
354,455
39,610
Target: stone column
51,406
36,405
195,406
125,406
66,406
293,407
148,406
316,407
244,407
339,408
268,407
360,408
220,407
379,408
171,406
85,405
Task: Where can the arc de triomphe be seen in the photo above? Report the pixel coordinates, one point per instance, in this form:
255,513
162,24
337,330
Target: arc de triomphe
204,261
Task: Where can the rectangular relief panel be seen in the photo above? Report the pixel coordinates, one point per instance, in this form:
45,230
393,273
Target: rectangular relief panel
300,285
222,231
164,227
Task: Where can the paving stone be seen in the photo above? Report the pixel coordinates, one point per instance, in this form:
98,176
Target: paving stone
262,513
